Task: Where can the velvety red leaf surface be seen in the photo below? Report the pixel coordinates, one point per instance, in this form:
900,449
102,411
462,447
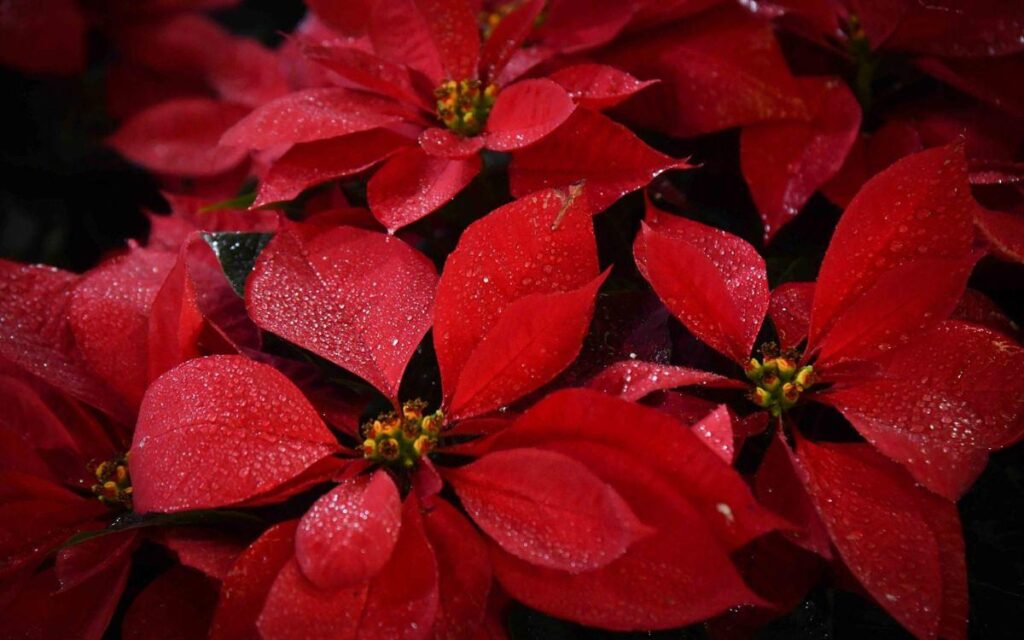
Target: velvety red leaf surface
590,148
358,298
220,430
177,605
444,143
901,542
559,516
635,379
918,208
716,430
399,33
507,37
936,413
1004,232
211,552
542,244
308,164
785,162
598,86
369,71
723,296
413,184
453,28
790,312
310,114
347,536
960,28
181,137
526,112
76,565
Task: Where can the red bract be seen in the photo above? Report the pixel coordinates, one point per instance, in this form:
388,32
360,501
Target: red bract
427,103
558,496
883,350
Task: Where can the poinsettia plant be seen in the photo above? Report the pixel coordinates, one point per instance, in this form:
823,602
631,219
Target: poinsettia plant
542,318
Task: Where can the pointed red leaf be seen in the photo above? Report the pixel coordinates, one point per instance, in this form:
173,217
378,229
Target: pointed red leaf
589,147
662,580
34,303
456,35
109,316
177,605
368,70
311,114
780,487
526,112
871,154
399,33
175,321
211,551
716,431
598,86
507,37
785,162
960,28
977,308
1004,232
920,207
790,312
358,298
246,586
464,571
400,602
535,338
709,484
720,70
537,245
413,184
939,412
311,163
240,427
902,543
444,143
713,281
181,137
347,536
557,514
575,25
635,379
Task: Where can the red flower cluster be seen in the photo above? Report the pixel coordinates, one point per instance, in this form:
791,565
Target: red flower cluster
438,363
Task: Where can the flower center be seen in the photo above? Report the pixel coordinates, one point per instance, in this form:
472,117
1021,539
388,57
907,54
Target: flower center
113,483
778,381
401,440
463,106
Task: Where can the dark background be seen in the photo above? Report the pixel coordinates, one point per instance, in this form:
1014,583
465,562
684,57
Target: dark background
66,200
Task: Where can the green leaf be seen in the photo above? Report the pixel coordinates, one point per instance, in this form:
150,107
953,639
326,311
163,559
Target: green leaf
243,201
201,518
237,253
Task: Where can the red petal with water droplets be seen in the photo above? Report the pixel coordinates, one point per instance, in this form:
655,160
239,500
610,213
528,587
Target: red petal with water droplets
888,315
977,308
175,321
77,564
311,114
507,38
598,86
347,536
444,143
43,36
589,147
311,163
634,379
720,70
547,509
464,571
181,137
535,338
871,154
109,316
540,244
220,430
715,429
790,312
939,412
177,605
413,184
399,33
780,487
358,298
370,71
246,586
34,310
920,207
574,25
960,28
211,551
902,543
526,112
713,281
661,581
1004,232
456,35
785,162
716,490
983,78
400,602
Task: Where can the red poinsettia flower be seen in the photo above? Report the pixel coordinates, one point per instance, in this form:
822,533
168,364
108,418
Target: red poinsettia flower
872,339
426,95
562,496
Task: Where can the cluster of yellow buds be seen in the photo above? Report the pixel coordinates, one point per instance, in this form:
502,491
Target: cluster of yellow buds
113,483
400,440
778,382
463,105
